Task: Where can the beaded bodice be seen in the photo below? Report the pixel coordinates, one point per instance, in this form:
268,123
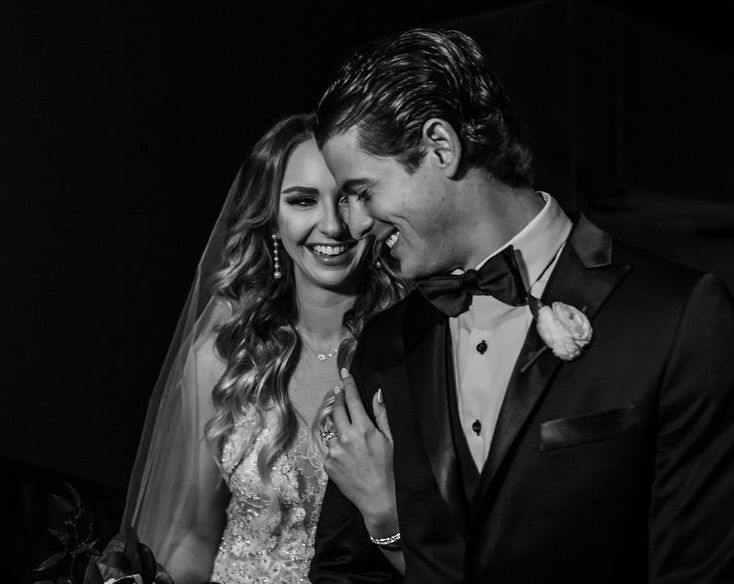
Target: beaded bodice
259,545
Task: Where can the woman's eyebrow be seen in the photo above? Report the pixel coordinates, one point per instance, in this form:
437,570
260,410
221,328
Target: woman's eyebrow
300,189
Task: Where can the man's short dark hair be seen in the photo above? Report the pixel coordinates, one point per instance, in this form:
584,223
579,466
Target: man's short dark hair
388,91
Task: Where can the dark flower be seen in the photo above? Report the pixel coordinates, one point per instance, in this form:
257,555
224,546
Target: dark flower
123,560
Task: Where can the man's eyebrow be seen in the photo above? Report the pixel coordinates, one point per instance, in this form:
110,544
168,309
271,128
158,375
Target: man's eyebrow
354,183
300,189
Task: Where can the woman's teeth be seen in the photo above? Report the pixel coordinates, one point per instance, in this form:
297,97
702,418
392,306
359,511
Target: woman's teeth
392,240
330,250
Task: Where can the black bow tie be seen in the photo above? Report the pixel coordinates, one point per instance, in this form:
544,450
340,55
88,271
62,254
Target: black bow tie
499,277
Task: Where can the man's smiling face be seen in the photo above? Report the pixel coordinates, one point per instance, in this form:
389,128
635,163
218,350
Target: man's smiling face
412,213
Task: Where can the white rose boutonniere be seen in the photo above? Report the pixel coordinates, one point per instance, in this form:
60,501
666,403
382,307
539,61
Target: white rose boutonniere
564,328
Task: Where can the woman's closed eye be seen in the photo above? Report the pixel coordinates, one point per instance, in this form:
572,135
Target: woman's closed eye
302,200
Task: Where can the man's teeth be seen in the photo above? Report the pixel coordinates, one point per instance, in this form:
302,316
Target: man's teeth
330,250
392,240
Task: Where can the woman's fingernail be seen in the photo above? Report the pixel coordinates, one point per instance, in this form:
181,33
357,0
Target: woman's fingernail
338,388
344,372
380,399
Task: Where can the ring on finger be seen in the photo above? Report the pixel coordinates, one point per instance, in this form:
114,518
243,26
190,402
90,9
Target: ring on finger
328,436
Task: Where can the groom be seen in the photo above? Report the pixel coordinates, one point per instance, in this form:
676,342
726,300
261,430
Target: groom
587,436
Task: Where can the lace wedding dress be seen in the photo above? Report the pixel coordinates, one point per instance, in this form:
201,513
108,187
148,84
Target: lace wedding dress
260,546
163,499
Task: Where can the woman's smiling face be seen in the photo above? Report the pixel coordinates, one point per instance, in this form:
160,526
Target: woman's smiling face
311,223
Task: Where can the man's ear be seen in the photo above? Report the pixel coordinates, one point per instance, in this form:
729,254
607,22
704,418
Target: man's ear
442,145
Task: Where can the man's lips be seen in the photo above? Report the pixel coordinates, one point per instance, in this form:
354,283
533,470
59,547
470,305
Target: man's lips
392,239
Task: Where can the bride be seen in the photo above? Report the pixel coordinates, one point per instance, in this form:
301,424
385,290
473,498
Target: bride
228,480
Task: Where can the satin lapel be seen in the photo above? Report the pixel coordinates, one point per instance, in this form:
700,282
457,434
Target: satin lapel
583,277
426,337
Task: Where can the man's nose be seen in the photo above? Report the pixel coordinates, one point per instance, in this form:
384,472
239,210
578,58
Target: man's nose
359,221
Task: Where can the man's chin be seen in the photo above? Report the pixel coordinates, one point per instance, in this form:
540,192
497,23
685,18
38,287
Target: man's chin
410,271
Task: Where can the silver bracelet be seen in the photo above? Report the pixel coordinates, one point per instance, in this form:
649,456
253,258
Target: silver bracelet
385,541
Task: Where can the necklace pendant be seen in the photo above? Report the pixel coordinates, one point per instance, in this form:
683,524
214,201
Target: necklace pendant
321,357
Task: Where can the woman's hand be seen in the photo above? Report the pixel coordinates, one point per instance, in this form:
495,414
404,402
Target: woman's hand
360,458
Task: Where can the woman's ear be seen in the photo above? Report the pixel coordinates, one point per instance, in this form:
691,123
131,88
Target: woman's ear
442,145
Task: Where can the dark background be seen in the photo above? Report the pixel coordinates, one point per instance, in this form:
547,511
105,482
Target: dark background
123,128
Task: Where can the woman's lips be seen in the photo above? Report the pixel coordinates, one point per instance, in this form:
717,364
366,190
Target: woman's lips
329,249
331,253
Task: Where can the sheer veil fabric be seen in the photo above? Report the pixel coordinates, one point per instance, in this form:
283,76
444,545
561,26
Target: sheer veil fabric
162,498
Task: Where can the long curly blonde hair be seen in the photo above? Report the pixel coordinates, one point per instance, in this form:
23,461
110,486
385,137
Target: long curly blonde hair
259,342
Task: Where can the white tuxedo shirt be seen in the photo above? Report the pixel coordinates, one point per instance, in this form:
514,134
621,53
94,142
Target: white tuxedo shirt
487,338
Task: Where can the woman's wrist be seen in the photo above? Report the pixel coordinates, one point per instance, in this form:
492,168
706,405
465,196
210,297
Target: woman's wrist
382,525
390,544
384,532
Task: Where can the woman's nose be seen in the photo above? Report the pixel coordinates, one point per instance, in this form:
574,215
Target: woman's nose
331,223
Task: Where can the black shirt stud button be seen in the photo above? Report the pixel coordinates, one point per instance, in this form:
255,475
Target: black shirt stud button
482,347
477,427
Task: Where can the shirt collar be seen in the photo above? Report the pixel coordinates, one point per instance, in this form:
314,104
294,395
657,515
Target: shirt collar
539,241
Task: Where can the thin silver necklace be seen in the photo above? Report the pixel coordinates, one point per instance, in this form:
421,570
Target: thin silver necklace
320,356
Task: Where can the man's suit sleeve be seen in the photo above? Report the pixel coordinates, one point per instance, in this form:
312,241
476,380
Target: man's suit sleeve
692,506
343,550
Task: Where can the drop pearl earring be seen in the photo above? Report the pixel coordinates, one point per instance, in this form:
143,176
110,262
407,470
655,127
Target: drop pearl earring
277,274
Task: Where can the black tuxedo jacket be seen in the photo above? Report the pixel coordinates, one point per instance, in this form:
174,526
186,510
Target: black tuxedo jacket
615,467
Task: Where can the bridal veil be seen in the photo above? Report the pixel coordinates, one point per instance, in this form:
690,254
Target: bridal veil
162,496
